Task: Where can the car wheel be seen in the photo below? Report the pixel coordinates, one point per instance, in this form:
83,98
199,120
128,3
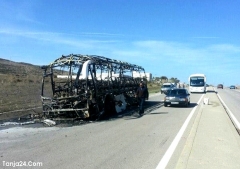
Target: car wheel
165,104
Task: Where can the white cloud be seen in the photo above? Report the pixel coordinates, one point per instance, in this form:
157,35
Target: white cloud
19,11
225,48
205,37
58,38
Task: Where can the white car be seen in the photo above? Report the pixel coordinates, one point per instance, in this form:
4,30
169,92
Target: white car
167,86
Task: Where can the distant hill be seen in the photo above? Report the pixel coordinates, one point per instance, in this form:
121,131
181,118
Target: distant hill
20,68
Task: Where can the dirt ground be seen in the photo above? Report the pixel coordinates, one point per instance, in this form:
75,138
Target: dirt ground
20,89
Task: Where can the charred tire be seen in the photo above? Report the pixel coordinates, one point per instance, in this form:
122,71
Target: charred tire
94,111
109,106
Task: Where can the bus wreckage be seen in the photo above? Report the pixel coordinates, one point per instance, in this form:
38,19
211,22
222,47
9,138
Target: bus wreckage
89,87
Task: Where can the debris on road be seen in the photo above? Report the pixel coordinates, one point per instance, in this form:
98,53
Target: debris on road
49,122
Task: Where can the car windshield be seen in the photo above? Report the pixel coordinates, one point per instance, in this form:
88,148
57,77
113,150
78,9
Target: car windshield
197,81
166,85
177,92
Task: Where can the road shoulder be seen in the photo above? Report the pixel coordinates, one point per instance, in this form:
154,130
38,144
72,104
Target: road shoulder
213,141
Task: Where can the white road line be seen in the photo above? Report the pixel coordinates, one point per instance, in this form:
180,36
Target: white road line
165,159
236,122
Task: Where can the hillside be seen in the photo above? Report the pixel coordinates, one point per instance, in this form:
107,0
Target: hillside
20,88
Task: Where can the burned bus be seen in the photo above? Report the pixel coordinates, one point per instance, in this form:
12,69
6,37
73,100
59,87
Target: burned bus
88,86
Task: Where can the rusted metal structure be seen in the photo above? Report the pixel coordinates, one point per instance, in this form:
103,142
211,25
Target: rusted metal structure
89,86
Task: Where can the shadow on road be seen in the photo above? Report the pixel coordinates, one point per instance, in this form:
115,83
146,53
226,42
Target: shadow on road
132,113
158,113
211,91
180,106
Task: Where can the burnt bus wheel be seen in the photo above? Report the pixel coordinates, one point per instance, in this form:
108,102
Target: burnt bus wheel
109,107
94,112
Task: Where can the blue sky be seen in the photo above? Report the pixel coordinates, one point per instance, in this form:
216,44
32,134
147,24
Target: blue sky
170,38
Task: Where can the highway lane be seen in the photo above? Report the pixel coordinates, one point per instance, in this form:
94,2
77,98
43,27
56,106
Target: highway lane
231,98
126,142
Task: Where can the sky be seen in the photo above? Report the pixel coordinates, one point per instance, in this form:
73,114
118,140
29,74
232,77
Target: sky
172,38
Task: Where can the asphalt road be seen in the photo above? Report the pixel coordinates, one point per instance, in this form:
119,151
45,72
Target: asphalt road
231,100
126,142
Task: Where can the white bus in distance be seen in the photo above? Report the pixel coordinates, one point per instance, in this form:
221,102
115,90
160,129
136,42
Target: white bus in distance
197,83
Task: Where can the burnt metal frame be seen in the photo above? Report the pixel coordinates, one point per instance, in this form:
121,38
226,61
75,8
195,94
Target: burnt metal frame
89,97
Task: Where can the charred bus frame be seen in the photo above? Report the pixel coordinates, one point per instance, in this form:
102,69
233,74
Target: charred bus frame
88,86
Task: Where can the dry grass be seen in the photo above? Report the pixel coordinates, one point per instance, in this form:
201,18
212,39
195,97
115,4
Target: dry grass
20,88
153,87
